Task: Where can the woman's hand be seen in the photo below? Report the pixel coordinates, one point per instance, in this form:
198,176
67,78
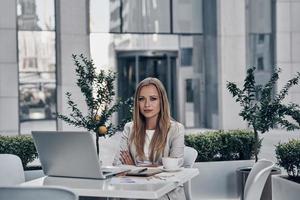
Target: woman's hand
126,158
151,165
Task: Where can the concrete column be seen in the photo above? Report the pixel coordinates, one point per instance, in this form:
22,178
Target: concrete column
232,58
72,38
9,107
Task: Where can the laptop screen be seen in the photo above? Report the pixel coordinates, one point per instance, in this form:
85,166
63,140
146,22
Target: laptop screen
68,154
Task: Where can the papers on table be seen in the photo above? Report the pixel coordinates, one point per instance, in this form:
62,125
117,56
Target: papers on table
144,172
156,179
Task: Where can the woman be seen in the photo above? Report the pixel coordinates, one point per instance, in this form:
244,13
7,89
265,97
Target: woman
152,134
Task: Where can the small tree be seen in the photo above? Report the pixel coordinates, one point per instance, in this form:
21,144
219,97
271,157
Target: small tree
263,110
99,93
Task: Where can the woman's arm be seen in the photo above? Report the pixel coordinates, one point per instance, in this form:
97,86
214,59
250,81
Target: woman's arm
124,145
177,141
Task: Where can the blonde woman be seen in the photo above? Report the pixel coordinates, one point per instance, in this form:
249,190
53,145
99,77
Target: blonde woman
152,134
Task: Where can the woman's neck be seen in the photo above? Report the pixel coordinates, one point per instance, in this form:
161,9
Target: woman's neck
151,123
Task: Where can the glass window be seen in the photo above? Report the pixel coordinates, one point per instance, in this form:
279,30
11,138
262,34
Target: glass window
37,65
261,38
186,56
187,16
189,91
260,51
36,15
138,40
144,16
36,51
115,16
193,114
260,63
259,16
37,101
260,47
189,104
104,16
260,19
37,80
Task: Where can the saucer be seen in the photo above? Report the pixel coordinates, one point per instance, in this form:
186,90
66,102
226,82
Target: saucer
172,170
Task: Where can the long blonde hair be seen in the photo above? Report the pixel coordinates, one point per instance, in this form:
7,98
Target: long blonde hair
159,139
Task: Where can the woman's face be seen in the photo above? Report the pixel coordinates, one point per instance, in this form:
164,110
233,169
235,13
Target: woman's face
149,102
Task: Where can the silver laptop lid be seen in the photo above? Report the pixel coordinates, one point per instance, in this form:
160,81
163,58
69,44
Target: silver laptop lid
68,154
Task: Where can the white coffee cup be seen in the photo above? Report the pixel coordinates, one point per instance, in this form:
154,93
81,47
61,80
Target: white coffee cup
172,163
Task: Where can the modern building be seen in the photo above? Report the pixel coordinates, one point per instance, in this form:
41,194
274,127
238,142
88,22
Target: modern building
193,46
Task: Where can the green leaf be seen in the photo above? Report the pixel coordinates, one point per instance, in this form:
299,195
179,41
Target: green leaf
99,94
262,108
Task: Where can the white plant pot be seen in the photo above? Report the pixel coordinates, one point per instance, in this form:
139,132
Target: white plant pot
284,189
218,180
33,174
267,191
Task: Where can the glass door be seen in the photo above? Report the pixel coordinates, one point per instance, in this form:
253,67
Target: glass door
136,66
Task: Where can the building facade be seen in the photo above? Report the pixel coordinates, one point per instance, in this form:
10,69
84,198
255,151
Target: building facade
193,46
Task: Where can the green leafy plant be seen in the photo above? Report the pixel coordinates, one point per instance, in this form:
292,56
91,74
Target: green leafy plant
288,157
263,109
22,146
222,145
98,90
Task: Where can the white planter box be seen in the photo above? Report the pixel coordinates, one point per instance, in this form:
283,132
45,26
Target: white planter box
217,180
283,189
33,174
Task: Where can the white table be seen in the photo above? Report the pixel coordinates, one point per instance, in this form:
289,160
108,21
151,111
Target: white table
105,188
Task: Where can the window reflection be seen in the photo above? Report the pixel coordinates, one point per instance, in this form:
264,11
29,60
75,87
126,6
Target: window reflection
189,104
36,51
187,16
37,75
37,101
115,16
37,65
260,47
189,91
146,16
166,56
260,63
36,15
136,56
186,56
260,38
100,14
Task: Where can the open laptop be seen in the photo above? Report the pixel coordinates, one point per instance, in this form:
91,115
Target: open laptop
70,154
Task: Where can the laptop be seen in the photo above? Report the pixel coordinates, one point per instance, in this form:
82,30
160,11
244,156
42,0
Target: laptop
70,154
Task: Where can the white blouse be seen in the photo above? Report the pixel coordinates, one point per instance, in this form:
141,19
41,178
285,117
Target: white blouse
148,138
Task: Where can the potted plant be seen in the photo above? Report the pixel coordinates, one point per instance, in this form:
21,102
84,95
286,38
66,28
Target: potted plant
19,145
288,157
23,147
220,153
263,109
99,93
222,145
